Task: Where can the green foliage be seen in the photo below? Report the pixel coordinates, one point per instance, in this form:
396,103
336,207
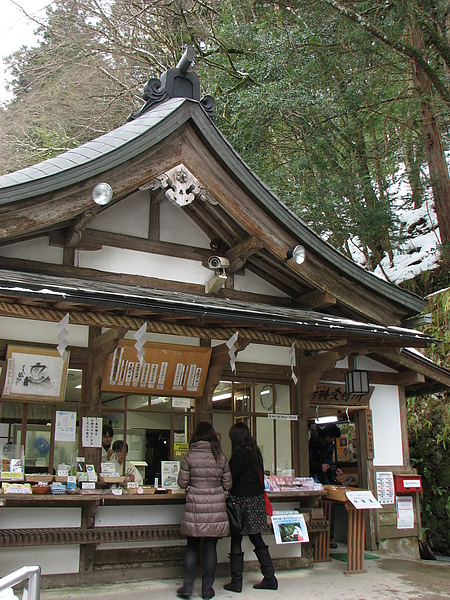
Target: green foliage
429,433
429,426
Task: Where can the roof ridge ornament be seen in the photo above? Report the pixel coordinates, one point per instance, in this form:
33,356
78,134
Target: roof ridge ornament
175,83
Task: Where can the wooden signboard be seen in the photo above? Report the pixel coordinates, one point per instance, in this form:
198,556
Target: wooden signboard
331,393
167,369
35,375
369,429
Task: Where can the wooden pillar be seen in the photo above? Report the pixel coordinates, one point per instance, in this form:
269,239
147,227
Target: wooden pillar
100,347
404,426
219,359
364,437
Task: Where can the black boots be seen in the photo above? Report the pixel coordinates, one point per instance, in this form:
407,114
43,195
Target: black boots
236,567
269,581
207,587
185,591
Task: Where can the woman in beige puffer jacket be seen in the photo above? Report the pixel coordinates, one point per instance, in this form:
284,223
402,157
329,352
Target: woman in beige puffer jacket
205,474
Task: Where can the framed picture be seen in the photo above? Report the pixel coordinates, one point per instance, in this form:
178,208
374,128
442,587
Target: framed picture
35,375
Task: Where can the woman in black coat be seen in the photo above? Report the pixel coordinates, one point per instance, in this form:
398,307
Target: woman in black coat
247,471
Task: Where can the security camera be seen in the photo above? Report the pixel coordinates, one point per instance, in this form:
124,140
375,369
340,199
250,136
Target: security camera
218,262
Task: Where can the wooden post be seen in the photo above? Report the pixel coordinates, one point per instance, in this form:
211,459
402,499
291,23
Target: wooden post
100,347
355,541
219,359
363,420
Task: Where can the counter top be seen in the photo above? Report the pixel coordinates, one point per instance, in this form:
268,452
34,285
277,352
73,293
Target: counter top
107,498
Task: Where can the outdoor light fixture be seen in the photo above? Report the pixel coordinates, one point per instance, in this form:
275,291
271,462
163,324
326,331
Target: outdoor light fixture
326,420
298,255
102,194
357,382
224,396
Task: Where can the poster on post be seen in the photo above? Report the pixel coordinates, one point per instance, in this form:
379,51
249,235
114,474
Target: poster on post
385,487
405,512
289,528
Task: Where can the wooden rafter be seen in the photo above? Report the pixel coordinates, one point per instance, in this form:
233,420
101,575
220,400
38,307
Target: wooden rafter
317,299
75,232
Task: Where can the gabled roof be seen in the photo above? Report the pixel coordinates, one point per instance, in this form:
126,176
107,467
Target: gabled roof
42,198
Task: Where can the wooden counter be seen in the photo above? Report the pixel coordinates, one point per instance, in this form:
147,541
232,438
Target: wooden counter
90,532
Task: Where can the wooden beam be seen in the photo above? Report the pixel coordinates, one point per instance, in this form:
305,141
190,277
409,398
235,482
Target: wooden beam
63,204
154,226
17,264
416,365
69,257
379,377
75,232
319,363
316,299
238,254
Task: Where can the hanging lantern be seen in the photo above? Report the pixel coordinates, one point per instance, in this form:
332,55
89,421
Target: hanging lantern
357,382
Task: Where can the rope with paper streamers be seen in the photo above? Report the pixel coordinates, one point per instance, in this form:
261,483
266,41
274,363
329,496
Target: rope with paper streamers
113,321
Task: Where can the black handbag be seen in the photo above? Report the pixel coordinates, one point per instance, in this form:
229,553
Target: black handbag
235,515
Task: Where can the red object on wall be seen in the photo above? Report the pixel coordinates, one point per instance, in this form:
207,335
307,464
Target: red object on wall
404,484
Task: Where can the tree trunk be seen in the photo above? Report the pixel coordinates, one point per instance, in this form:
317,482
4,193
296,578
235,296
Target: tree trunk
439,176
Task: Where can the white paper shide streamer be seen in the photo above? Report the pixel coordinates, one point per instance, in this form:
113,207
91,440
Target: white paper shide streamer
139,336
231,344
63,332
292,361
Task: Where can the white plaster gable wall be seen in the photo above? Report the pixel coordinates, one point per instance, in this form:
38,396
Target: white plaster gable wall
365,363
253,283
38,249
387,434
117,260
128,217
178,228
24,330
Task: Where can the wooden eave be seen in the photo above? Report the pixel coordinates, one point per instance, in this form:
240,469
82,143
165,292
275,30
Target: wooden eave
434,379
51,195
53,296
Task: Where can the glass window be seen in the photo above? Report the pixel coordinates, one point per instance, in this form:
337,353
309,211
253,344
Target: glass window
265,438
283,448
252,403
38,423
242,397
222,396
156,428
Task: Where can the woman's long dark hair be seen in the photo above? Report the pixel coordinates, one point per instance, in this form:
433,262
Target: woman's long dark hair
204,432
241,437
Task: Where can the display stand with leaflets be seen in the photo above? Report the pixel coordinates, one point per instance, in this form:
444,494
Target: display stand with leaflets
356,501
